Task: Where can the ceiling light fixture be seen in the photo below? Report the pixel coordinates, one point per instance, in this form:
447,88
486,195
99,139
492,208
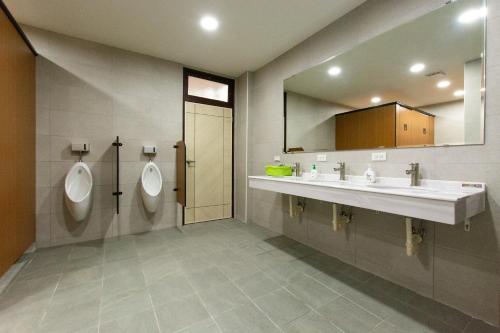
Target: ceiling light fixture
209,23
472,15
459,93
334,71
376,99
417,68
443,84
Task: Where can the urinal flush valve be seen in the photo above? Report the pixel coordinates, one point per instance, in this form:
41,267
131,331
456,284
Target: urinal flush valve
80,148
150,151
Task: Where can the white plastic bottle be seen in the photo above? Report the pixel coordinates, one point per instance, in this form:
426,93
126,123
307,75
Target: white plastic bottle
370,174
314,172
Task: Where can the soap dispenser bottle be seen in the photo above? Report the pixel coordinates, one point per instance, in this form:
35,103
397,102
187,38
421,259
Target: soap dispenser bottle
314,172
370,174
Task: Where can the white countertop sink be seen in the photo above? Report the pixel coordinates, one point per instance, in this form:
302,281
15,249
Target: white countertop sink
449,202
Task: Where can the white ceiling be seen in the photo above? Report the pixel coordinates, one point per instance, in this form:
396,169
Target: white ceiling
380,67
251,32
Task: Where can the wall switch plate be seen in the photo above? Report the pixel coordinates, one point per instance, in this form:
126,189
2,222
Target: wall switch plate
321,158
382,156
277,158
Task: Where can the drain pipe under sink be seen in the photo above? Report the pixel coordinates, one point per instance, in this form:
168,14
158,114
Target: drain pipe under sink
295,209
413,239
340,218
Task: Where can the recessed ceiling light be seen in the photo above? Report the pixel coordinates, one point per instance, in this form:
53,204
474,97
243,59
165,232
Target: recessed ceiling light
459,93
209,23
417,68
472,15
334,71
443,84
376,99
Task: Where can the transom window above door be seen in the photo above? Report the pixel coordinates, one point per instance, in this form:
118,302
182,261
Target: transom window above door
208,89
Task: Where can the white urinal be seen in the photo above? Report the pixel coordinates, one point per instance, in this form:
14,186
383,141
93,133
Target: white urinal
78,190
151,183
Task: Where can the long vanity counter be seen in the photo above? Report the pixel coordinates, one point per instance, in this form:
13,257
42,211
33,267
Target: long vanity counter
449,202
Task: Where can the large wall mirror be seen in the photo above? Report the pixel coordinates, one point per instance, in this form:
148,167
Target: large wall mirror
421,84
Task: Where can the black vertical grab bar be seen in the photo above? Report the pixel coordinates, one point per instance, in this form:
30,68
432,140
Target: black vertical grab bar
117,193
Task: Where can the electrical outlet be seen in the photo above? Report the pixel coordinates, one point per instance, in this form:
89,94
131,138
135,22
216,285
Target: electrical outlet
321,158
277,158
381,156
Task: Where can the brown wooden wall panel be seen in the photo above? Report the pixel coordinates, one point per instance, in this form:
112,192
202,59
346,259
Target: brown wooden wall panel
17,144
365,129
386,126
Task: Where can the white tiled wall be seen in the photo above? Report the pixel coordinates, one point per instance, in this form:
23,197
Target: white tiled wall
94,92
459,268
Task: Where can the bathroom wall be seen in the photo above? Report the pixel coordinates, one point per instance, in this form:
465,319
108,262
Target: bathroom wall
458,268
311,122
448,123
241,146
87,91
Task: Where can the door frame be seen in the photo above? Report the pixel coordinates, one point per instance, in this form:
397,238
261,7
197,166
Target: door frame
201,100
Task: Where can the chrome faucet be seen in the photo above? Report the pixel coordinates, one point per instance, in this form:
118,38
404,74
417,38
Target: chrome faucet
413,171
341,170
297,169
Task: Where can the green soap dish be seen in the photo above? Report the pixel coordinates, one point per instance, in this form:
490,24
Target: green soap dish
278,170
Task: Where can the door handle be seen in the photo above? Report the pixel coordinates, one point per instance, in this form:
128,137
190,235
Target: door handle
189,162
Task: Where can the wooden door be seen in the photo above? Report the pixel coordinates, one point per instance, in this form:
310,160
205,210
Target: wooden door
385,127
414,128
405,128
17,145
365,129
208,137
430,124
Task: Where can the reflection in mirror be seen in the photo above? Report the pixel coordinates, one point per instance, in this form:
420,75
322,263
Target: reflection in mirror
420,84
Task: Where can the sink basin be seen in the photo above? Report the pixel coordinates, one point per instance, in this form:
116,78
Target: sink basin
415,189
449,202
325,181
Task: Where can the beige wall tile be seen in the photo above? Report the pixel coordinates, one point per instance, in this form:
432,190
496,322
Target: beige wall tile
43,174
43,230
101,149
42,120
43,205
467,283
43,148
375,241
91,92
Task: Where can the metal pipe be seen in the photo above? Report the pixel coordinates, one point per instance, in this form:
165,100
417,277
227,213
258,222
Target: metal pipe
339,218
412,239
117,193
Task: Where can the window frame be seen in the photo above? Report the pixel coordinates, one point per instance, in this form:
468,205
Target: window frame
210,77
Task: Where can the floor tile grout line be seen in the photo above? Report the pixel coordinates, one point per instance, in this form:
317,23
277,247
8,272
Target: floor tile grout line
329,321
46,310
206,309
102,296
380,323
346,296
339,295
157,321
196,293
258,307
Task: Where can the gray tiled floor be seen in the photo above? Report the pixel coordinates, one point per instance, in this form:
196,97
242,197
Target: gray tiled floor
219,276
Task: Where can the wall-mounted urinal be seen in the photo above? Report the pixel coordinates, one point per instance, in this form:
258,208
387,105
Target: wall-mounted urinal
78,191
151,184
